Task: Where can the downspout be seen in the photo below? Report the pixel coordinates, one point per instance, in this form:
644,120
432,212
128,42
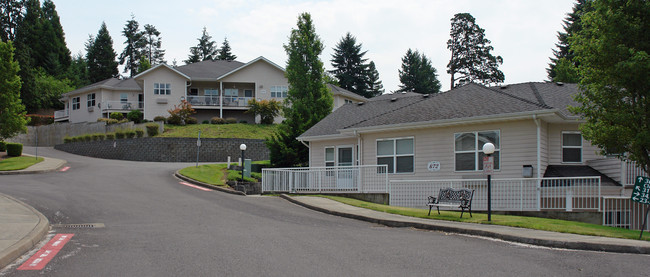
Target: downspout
539,162
360,148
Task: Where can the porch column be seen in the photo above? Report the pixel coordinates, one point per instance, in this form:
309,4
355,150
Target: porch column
220,99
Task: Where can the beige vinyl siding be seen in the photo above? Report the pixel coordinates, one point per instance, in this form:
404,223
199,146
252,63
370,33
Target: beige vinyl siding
544,155
263,74
165,76
611,167
589,152
317,150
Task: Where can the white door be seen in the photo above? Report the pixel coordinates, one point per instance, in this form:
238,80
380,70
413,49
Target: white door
345,177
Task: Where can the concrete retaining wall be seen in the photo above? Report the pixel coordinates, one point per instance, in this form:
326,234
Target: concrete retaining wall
53,134
168,149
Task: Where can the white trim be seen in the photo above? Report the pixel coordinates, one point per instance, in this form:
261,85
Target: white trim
159,65
581,147
249,63
395,155
477,151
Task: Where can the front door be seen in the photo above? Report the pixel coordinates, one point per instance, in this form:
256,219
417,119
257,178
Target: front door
345,178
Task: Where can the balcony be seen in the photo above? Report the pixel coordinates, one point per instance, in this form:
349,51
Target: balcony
228,101
61,115
121,105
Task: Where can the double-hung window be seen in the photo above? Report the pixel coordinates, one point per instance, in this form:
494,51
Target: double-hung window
162,89
279,91
397,154
91,100
468,149
329,156
76,103
571,147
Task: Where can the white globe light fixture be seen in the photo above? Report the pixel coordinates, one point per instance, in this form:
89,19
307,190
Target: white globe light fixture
488,148
242,147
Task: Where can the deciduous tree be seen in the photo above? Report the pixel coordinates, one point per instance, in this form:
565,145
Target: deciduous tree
12,111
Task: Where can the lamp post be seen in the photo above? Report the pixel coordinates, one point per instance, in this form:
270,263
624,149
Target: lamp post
488,168
242,147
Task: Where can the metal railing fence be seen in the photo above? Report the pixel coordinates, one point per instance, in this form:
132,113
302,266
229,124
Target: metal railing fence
621,212
522,194
343,179
213,100
631,171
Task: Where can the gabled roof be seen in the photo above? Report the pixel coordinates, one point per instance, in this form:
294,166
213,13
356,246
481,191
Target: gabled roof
465,103
110,83
260,58
209,70
336,90
158,66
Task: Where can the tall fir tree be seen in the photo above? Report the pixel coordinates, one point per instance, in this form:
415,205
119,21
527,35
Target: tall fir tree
470,54
417,74
225,53
205,50
100,56
11,13
29,53
153,45
133,49
12,111
308,99
78,71
374,84
563,67
57,59
350,68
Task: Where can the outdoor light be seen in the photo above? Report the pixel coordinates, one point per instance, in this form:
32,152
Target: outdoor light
488,167
242,147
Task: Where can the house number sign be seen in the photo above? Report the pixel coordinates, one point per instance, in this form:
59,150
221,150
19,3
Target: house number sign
433,166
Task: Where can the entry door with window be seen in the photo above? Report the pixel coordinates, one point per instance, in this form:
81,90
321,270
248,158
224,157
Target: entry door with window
345,177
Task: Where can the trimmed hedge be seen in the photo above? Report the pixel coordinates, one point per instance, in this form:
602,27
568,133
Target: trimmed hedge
152,129
14,149
3,146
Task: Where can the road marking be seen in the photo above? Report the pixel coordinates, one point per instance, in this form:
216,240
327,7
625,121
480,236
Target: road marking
195,186
64,169
39,260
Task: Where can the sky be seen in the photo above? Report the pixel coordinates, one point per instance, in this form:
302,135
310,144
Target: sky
522,32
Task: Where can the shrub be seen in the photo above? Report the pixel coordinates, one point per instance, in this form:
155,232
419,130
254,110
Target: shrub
205,122
135,115
120,134
38,120
110,136
152,129
68,139
180,113
3,146
14,149
266,109
130,133
101,136
159,118
191,120
95,136
174,119
117,116
139,133
108,121
231,120
217,120
87,137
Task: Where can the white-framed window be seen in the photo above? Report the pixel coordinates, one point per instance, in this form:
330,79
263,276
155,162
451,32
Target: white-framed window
571,147
397,153
91,100
211,92
162,88
124,97
76,103
279,91
468,149
232,92
329,156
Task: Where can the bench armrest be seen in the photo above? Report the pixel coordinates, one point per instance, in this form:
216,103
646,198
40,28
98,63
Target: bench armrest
432,200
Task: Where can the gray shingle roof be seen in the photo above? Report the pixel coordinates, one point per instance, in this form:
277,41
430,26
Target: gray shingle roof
339,90
468,101
208,69
111,83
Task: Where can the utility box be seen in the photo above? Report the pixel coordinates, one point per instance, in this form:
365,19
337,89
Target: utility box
527,171
247,168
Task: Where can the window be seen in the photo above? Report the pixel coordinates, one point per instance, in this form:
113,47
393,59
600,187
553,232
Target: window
248,93
211,92
124,97
91,100
231,92
194,92
348,101
329,156
162,89
76,103
398,154
571,147
468,149
279,91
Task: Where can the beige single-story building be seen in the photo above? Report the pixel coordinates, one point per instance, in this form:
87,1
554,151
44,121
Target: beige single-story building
213,88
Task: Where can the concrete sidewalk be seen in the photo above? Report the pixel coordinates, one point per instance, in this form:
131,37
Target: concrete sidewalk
22,226
521,235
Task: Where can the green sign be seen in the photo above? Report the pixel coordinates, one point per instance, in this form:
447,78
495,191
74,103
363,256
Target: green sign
641,192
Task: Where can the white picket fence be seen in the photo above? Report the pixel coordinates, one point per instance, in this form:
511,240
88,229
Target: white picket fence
344,179
523,194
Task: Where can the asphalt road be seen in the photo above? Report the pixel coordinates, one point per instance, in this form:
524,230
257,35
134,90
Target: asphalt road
155,226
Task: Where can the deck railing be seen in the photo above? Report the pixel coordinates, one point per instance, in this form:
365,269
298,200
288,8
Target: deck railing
61,114
621,212
213,100
630,172
362,179
121,105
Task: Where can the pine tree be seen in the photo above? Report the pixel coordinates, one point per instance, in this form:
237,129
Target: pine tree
225,53
11,13
100,56
30,53
57,59
350,67
133,50
308,99
375,87
153,43
12,111
205,50
78,72
417,74
470,54
563,67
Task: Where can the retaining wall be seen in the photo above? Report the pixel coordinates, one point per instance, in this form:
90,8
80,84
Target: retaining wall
53,134
168,149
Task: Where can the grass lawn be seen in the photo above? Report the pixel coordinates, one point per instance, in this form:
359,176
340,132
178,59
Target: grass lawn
18,163
216,174
555,225
237,130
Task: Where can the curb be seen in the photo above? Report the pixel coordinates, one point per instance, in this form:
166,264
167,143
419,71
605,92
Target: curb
206,185
520,239
10,254
59,164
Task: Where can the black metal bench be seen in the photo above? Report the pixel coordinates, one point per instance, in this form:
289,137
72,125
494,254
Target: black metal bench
455,198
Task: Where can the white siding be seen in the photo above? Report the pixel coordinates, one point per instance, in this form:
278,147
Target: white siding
611,167
589,152
166,76
263,74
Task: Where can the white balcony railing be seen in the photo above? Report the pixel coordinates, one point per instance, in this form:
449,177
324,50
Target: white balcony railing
228,101
121,105
61,114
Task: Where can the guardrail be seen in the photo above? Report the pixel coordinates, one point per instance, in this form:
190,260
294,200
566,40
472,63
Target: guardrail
621,212
213,100
523,194
631,171
61,114
344,179
121,105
